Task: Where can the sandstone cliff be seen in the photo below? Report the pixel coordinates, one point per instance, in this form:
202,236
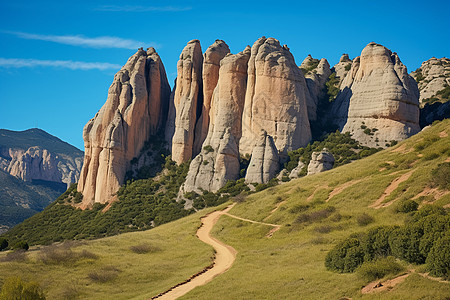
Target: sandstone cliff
187,96
275,99
136,108
432,76
218,160
342,67
378,101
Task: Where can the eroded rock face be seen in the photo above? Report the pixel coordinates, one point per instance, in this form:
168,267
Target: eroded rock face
210,75
264,162
432,77
135,109
296,171
378,101
275,99
37,163
218,160
320,162
315,80
342,67
187,95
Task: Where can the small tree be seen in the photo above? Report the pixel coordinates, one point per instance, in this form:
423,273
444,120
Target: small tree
3,243
22,245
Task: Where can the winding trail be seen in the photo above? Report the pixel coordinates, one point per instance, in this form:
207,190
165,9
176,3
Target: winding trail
392,187
271,232
224,258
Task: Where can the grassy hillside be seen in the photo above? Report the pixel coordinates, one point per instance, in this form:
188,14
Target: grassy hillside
315,213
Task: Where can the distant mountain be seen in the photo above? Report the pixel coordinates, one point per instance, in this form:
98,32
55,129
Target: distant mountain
35,168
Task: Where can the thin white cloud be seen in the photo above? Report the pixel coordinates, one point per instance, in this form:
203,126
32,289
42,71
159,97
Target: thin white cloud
137,8
68,64
83,41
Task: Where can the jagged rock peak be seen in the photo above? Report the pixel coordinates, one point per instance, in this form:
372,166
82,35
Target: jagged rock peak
135,109
320,162
378,101
275,99
210,75
218,160
187,95
432,76
265,162
345,58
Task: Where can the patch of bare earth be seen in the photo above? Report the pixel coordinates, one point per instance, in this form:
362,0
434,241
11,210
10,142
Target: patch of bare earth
392,187
443,134
378,286
271,232
341,188
434,192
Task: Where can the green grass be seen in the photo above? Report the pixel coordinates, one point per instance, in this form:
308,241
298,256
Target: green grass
290,265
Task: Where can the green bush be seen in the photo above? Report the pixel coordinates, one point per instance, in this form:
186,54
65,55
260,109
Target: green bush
377,269
441,176
438,260
3,244
208,148
345,257
364,219
16,289
407,206
21,245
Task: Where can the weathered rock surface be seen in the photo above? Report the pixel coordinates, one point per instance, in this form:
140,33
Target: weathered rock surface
187,96
264,162
296,171
320,162
432,77
378,101
218,160
275,99
315,80
136,108
36,155
342,67
210,75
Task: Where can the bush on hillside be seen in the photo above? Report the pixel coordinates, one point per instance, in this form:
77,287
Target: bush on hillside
407,206
15,288
3,244
377,269
345,257
441,176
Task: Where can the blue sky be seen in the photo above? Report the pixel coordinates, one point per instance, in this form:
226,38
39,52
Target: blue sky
58,58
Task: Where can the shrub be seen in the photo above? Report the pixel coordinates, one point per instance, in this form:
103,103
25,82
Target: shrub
377,269
21,245
407,206
441,176
15,288
144,248
17,255
63,255
348,67
345,257
208,148
323,229
438,260
3,243
364,219
104,274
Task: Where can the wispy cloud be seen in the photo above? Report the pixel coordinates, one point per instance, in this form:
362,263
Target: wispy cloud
68,64
137,8
83,41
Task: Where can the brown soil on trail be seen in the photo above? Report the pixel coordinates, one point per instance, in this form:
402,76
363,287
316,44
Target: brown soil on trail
443,134
275,209
436,193
224,258
392,187
271,232
339,189
378,286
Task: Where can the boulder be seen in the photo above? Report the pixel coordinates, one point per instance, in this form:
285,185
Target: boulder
275,99
264,162
135,109
186,98
296,171
320,162
378,101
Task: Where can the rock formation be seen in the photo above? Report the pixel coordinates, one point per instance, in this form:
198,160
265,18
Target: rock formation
264,163
320,162
315,77
432,77
275,99
342,67
296,171
135,109
187,96
210,75
34,154
378,101
218,160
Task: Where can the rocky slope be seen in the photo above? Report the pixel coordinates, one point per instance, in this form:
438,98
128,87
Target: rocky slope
135,109
433,76
257,103
378,100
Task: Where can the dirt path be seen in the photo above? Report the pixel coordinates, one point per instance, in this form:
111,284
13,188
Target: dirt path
392,187
339,189
224,258
275,209
271,232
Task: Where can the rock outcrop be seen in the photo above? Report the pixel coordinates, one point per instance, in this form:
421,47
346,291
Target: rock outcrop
218,160
187,96
296,171
342,67
210,75
34,154
320,162
265,162
275,99
432,76
378,101
135,109
315,79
